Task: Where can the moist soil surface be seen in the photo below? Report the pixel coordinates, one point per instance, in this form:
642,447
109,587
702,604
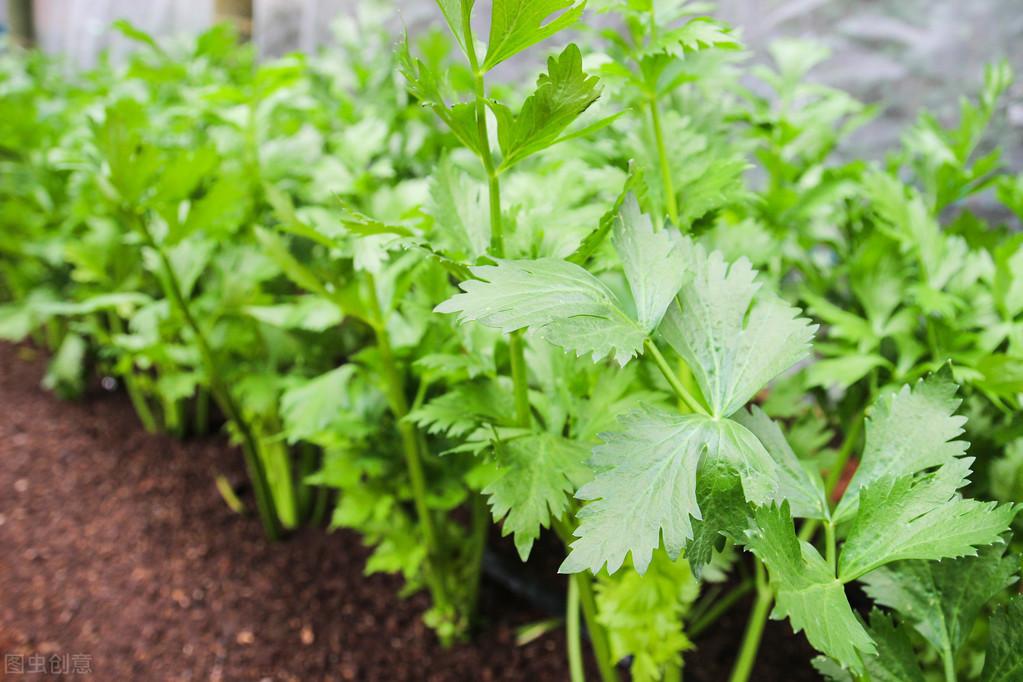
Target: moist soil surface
116,545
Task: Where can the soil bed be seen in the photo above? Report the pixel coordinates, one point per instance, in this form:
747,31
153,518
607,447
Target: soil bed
117,546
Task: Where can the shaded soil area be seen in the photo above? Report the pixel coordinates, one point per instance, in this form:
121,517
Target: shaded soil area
115,545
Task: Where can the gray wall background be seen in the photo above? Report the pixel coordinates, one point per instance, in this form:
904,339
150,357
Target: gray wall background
905,54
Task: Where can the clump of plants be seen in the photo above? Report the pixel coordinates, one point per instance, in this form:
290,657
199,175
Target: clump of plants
638,305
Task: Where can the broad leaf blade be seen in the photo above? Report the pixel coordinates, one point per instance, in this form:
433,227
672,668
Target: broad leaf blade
464,408
803,490
942,599
807,591
425,86
459,211
725,513
1004,661
645,488
538,475
654,262
518,24
317,404
920,518
696,34
908,431
896,661
559,301
454,15
733,343
562,94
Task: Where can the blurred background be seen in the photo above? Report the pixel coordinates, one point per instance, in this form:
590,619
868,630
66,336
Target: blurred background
902,54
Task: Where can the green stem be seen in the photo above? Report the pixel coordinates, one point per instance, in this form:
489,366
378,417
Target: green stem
829,545
720,607
319,510
395,388
520,379
54,334
681,391
707,599
573,634
138,401
276,457
806,533
307,464
754,628
949,663
478,542
135,394
668,186
202,412
172,417
483,138
221,393
493,191
598,634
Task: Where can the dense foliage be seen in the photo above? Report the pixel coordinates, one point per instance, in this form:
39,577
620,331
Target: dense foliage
647,303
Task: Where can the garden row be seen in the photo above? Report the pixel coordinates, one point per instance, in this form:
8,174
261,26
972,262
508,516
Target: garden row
643,304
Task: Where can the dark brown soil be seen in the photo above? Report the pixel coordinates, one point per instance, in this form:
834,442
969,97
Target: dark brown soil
115,544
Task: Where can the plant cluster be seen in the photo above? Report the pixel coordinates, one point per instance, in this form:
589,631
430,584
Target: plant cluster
647,304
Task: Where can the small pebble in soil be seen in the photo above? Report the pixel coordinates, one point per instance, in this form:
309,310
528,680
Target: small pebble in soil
245,637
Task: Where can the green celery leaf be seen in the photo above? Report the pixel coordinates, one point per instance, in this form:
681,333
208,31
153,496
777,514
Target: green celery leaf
317,404
562,95
644,615
843,371
733,343
724,511
696,34
459,210
920,517
454,14
518,24
465,407
537,476
559,301
426,87
654,262
942,599
124,302
895,660
908,431
65,373
807,591
1008,280
1004,660
645,488
566,305
804,490
831,670
1006,473
311,313
1003,374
